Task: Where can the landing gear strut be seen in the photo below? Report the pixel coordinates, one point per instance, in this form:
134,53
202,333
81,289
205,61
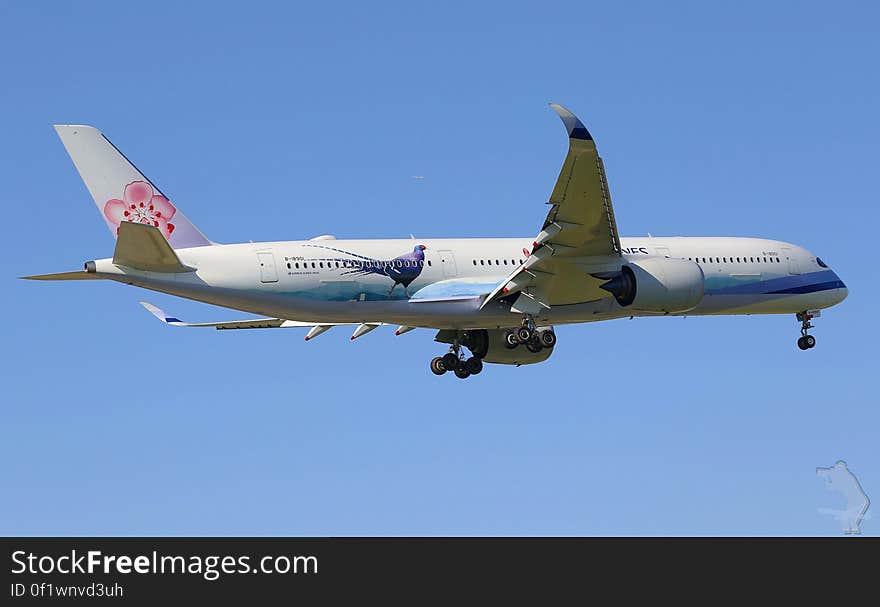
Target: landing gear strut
806,341
455,361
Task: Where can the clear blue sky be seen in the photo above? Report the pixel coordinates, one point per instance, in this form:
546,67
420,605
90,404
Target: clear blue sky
282,121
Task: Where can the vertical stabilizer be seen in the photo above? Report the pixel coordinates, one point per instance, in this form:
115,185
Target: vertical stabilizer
121,192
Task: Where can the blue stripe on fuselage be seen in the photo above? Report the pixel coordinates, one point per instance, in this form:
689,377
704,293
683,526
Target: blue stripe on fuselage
784,285
822,286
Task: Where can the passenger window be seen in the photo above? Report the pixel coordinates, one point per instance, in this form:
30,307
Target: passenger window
288,265
505,262
482,262
475,262
429,262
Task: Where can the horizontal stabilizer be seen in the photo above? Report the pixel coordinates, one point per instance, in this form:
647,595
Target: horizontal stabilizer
77,275
142,247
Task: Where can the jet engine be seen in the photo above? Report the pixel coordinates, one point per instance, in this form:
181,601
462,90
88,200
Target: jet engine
656,284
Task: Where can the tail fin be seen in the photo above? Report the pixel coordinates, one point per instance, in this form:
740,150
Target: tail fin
121,191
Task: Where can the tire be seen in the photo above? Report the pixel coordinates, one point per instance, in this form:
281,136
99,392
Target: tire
461,372
534,347
802,344
810,342
473,365
523,335
510,340
437,367
450,361
547,339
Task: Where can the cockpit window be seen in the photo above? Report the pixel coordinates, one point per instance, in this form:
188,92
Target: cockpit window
821,263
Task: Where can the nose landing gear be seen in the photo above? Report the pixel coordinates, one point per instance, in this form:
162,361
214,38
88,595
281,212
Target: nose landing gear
806,341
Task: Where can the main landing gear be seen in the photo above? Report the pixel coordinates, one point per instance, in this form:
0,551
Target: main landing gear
455,361
529,336
806,341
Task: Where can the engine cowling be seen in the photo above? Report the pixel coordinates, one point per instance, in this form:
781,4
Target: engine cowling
489,345
658,284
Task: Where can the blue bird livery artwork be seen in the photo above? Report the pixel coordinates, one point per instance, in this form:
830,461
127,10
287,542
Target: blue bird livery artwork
402,270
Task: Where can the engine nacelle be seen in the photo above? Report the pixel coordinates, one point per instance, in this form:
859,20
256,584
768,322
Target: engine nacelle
489,345
658,284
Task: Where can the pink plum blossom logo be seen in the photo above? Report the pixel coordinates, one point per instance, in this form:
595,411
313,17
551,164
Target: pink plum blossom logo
140,205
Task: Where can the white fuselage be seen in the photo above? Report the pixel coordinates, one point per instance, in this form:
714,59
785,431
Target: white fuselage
338,281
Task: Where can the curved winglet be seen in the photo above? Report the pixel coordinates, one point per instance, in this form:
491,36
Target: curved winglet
160,314
575,128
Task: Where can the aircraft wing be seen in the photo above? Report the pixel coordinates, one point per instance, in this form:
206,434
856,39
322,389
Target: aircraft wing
315,328
580,224
257,323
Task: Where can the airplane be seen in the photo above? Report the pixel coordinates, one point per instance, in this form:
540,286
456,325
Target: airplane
498,298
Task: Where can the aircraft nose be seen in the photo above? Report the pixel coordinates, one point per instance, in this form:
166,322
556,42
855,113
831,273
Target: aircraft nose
842,291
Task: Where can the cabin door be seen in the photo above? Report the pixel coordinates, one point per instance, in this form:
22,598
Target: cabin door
268,273
447,260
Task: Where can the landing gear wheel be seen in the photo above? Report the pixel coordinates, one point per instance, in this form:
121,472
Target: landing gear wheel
473,365
450,361
523,335
534,346
510,340
461,372
806,340
547,338
437,367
